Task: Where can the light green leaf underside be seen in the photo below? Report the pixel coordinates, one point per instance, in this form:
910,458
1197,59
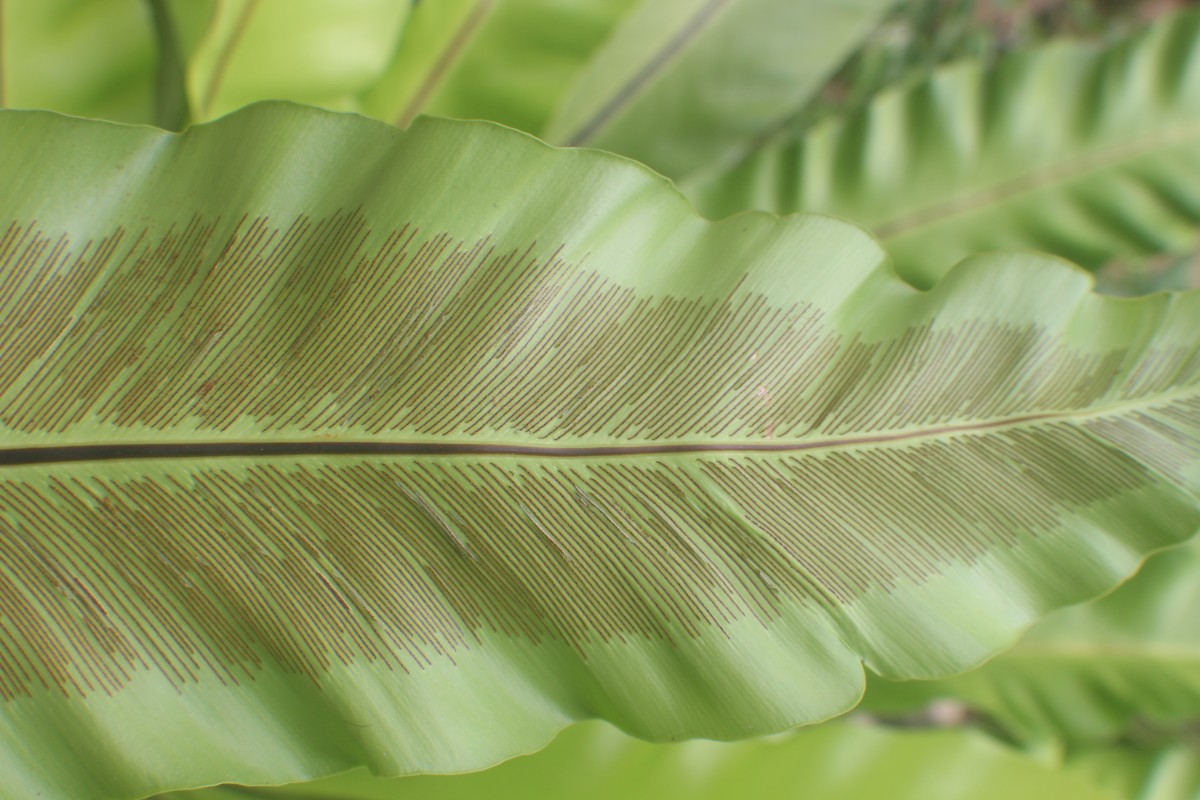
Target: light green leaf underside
948,465
684,85
1093,673
836,761
1090,154
79,57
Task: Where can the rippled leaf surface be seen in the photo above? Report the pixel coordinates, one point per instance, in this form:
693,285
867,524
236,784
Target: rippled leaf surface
687,85
324,444
836,761
1086,153
1125,665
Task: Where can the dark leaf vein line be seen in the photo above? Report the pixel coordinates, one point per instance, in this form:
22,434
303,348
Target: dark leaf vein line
27,456
652,67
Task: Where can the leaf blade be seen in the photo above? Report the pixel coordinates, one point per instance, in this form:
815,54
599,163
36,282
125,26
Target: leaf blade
522,60
1087,676
251,50
108,55
592,761
687,85
1086,153
351,594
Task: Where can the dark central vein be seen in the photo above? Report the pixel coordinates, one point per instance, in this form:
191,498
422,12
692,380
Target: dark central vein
27,456
643,76
445,60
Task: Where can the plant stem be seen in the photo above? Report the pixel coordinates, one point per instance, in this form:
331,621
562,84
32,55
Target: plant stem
170,89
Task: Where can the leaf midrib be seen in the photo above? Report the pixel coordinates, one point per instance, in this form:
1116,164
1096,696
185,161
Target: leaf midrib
446,59
117,451
629,90
1082,650
1059,172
